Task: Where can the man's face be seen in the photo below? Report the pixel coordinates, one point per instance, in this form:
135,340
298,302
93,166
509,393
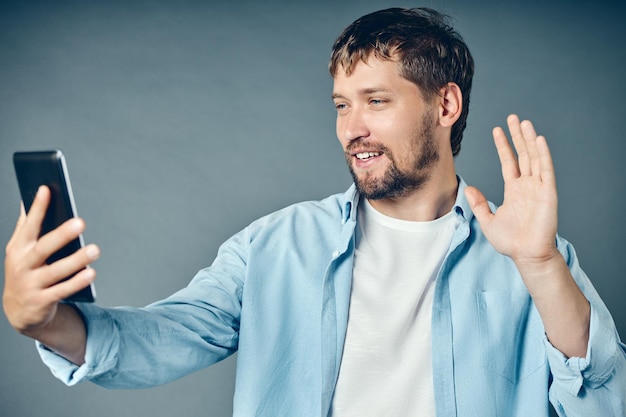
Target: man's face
386,129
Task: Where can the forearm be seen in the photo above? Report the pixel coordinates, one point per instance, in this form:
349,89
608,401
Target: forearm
563,308
65,334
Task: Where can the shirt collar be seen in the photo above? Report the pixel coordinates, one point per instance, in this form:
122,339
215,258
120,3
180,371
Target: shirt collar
351,198
349,203
461,205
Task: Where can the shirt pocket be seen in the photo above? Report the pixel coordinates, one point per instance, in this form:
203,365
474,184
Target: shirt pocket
511,334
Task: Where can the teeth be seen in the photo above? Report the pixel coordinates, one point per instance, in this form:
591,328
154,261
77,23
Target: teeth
366,155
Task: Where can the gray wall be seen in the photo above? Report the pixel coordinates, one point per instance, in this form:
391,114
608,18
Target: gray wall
184,121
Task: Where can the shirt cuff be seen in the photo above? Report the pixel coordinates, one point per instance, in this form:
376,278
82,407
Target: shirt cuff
598,365
101,350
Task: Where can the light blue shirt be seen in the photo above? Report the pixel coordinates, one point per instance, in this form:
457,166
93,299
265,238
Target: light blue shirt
278,294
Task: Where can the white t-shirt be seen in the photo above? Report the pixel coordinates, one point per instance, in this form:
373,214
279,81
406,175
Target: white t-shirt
386,368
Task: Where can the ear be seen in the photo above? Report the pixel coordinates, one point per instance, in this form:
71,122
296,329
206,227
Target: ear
450,104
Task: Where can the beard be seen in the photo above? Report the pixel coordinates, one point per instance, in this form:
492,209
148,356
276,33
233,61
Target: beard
396,182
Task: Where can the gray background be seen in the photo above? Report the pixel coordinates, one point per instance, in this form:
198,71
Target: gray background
184,121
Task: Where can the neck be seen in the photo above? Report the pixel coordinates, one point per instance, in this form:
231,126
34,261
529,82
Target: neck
435,199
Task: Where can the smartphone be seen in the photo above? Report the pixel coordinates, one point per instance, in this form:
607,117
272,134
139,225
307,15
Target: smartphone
37,168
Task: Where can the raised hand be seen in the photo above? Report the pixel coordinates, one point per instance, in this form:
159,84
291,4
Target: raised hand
524,227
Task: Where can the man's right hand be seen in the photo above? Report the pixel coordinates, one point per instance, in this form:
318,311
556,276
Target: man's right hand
33,290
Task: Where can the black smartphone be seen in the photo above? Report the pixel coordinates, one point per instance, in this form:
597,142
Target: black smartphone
37,168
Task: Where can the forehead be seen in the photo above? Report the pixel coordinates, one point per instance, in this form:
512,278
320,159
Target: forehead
371,74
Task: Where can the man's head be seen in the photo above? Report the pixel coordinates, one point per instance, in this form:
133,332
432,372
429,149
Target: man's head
428,51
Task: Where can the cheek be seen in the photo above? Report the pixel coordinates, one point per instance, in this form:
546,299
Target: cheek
340,132
405,141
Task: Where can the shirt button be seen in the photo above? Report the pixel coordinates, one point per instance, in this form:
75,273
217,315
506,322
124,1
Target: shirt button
336,254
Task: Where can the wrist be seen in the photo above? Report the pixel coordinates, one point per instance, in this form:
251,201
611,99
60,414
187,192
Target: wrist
541,271
65,334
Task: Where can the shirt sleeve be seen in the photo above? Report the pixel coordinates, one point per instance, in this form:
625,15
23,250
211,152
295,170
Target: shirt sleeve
596,384
100,355
131,347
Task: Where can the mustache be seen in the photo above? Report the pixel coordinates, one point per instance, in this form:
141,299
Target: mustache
362,143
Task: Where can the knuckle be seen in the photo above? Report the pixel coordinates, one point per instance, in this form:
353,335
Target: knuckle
8,249
40,251
13,271
14,264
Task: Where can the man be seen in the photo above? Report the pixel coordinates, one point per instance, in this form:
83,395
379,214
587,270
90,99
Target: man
407,295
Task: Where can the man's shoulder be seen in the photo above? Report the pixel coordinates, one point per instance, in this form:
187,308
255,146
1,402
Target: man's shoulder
327,211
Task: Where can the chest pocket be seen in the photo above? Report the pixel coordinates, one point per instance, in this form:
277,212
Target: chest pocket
511,334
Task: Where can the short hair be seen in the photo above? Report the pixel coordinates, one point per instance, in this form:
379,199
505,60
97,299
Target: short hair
430,53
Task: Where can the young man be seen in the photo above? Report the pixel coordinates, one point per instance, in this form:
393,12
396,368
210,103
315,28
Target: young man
407,295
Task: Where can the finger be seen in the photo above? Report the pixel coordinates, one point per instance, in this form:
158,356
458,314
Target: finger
36,214
480,206
55,240
18,226
508,162
63,290
545,161
65,267
517,136
530,138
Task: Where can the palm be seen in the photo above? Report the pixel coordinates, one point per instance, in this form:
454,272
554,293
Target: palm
524,226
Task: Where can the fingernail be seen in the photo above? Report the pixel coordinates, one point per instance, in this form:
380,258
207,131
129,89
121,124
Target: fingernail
92,251
89,274
76,225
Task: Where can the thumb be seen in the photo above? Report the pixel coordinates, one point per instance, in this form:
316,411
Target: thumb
20,223
479,205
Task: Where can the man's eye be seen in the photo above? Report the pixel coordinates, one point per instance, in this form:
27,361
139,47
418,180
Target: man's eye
376,101
340,106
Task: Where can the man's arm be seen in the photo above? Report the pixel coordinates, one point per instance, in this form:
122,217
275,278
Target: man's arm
33,290
524,228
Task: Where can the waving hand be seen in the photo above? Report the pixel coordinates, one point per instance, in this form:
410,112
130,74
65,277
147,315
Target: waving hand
524,228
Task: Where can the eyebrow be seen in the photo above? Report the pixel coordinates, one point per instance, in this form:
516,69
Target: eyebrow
365,91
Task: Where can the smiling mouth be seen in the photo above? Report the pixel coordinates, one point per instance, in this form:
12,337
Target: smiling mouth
364,156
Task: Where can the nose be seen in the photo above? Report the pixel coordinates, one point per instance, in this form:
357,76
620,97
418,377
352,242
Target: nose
352,126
